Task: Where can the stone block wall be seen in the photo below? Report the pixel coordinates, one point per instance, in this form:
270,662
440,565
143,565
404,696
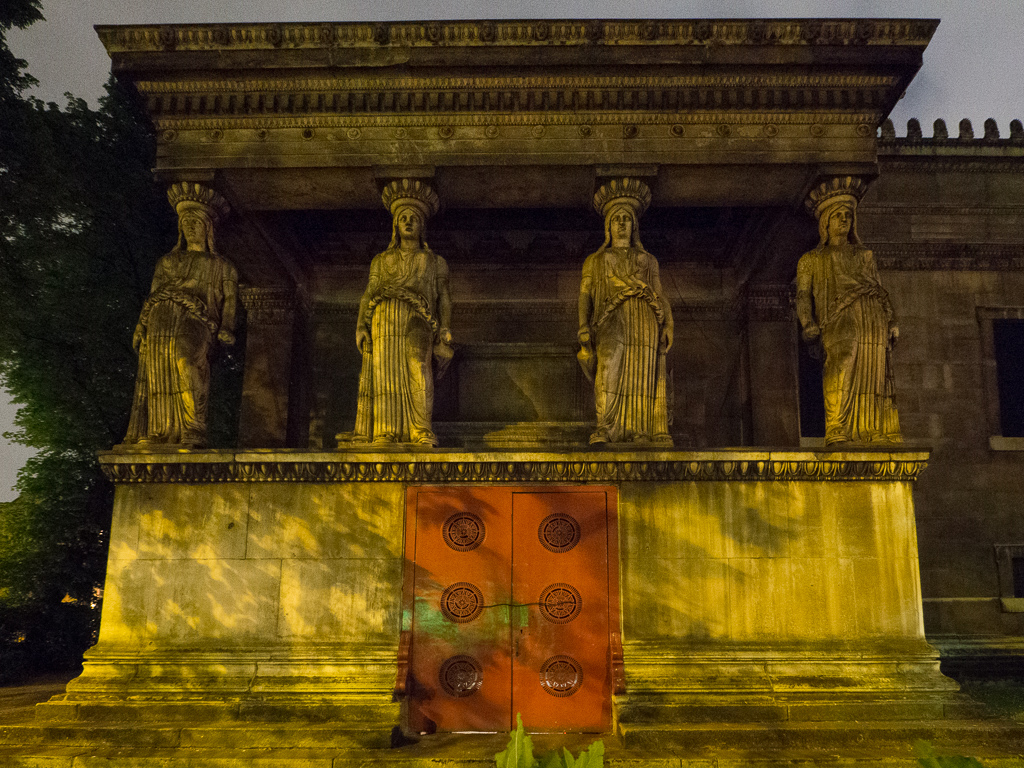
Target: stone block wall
946,222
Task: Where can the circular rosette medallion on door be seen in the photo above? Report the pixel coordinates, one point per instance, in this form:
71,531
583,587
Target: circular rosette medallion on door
561,676
559,533
560,603
463,531
462,602
461,676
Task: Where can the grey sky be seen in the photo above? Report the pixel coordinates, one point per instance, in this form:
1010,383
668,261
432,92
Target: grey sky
972,68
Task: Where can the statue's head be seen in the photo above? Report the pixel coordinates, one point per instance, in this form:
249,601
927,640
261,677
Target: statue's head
407,222
834,204
621,202
621,224
839,221
411,203
199,209
196,228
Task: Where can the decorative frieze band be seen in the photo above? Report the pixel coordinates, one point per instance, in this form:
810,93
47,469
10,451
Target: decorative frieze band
771,303
542,32
759,103
513,83
486,125
267,306
222,467
961,257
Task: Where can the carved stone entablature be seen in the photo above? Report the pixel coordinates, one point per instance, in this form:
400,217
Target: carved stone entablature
547,33
596,467
265,306
961,257
770,303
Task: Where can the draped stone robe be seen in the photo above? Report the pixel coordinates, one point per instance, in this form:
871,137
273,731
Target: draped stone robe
627,315
405,306
855,315
193,297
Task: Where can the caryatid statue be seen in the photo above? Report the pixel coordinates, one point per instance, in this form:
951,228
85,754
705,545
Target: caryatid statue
840,300
626,323
190,308
403,328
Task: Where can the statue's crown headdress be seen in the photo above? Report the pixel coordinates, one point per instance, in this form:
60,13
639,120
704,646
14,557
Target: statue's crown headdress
189,195
842,189
410,192
631,192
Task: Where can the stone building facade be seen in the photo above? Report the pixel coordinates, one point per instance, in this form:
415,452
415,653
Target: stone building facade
748,574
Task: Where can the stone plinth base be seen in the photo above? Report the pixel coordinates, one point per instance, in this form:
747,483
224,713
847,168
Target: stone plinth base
349,687
758,587
675,688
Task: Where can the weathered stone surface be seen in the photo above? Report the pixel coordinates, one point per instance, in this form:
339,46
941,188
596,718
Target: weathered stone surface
324,521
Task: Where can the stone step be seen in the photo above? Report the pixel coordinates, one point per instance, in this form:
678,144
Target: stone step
858,745
119,711
1001,736
176,736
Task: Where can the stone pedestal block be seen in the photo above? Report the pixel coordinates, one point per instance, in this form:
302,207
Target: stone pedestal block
756,586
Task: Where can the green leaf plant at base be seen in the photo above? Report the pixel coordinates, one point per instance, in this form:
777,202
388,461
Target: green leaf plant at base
519,753
928,759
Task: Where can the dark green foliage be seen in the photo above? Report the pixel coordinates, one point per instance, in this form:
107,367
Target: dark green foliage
81,226
15,13
19,13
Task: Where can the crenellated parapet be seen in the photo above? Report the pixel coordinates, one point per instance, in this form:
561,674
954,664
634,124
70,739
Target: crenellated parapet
965,137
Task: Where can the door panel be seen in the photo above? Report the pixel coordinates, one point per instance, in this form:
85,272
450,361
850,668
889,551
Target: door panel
560,671
510,608
461,650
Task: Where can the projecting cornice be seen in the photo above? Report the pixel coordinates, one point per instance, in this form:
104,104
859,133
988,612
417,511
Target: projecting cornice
535,33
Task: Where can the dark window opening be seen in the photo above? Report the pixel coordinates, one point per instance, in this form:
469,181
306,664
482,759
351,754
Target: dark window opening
1008,339
1018,576
812,398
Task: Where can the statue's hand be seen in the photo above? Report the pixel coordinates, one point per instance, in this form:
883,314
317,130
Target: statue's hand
137,338
225,337
584,337
894,335
363,342
666,340
445,336
811,332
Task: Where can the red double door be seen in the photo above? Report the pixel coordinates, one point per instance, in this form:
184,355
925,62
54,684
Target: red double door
511,608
